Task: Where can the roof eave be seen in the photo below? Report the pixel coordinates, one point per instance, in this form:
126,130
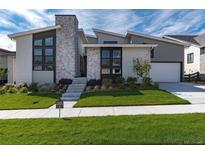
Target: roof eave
121,45
33,31
95,30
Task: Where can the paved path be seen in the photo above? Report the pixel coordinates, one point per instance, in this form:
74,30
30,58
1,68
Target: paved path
68,111
194,93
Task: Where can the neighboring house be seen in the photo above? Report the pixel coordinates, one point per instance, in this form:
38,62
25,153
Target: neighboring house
65,51
7,61
194,52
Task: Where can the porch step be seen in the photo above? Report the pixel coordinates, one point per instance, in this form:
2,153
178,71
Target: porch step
74,94
69,98
77,85
81,80
75,90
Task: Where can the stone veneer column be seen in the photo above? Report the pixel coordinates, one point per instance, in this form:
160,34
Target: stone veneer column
93,63
66,42
202,64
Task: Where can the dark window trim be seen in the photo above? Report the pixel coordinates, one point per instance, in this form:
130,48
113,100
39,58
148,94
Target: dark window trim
42,36
190,58
110,42
111,75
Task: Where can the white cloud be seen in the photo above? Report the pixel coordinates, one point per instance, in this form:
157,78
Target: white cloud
185,22
7,43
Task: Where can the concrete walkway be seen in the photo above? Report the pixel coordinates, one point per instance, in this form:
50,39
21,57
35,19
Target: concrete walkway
68,111
194,93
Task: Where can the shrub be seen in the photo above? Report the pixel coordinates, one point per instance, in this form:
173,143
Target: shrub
92,82
131,80
12,90
19,86
2,91
119,80
23,90
65,81
146,81
33,87
106,82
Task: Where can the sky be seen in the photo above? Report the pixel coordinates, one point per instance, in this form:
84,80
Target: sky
153,22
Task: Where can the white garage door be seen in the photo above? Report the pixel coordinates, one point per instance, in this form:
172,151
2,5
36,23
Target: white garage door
165,72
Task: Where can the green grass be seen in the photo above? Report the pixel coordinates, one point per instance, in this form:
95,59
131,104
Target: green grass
146,129
27,101
131,97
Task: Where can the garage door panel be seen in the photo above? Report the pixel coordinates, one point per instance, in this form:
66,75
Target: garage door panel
165,72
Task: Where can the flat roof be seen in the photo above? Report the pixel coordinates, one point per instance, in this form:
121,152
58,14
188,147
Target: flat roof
33,31
120,45
7,52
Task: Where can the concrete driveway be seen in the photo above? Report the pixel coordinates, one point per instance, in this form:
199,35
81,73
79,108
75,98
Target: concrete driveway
194,93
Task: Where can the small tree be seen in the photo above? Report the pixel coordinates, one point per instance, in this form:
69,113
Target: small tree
3,73
142,69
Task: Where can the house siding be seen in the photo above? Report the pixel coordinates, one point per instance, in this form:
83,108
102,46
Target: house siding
128,55
24,59
195,66
165,51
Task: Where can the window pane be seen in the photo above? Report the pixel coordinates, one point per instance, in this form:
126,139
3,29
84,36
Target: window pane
116,71
116,53
37,67
105,53
37,59
38,42
116,62
49,52
105,62
49,59
37,52
105,71
49,41
49,67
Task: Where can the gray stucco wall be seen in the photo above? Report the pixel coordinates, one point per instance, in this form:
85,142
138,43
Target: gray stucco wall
164,51
66,46
107,37
93,63
92,40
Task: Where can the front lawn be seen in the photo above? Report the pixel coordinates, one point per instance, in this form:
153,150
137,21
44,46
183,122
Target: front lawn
27,101
146,129
131,97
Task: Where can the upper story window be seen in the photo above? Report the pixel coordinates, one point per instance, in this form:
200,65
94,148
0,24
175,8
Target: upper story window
44,51
202,51
109,42
190,58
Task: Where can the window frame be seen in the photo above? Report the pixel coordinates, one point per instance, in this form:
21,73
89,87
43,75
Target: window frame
43,36
190,58
111,66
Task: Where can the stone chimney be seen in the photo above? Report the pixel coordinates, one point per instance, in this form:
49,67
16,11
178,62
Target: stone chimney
66,46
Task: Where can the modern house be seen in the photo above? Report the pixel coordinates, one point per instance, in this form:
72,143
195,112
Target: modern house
7,61
49,54
194,52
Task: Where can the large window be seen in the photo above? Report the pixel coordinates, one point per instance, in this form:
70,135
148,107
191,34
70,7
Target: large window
202,51
111,62
44,51
190,58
